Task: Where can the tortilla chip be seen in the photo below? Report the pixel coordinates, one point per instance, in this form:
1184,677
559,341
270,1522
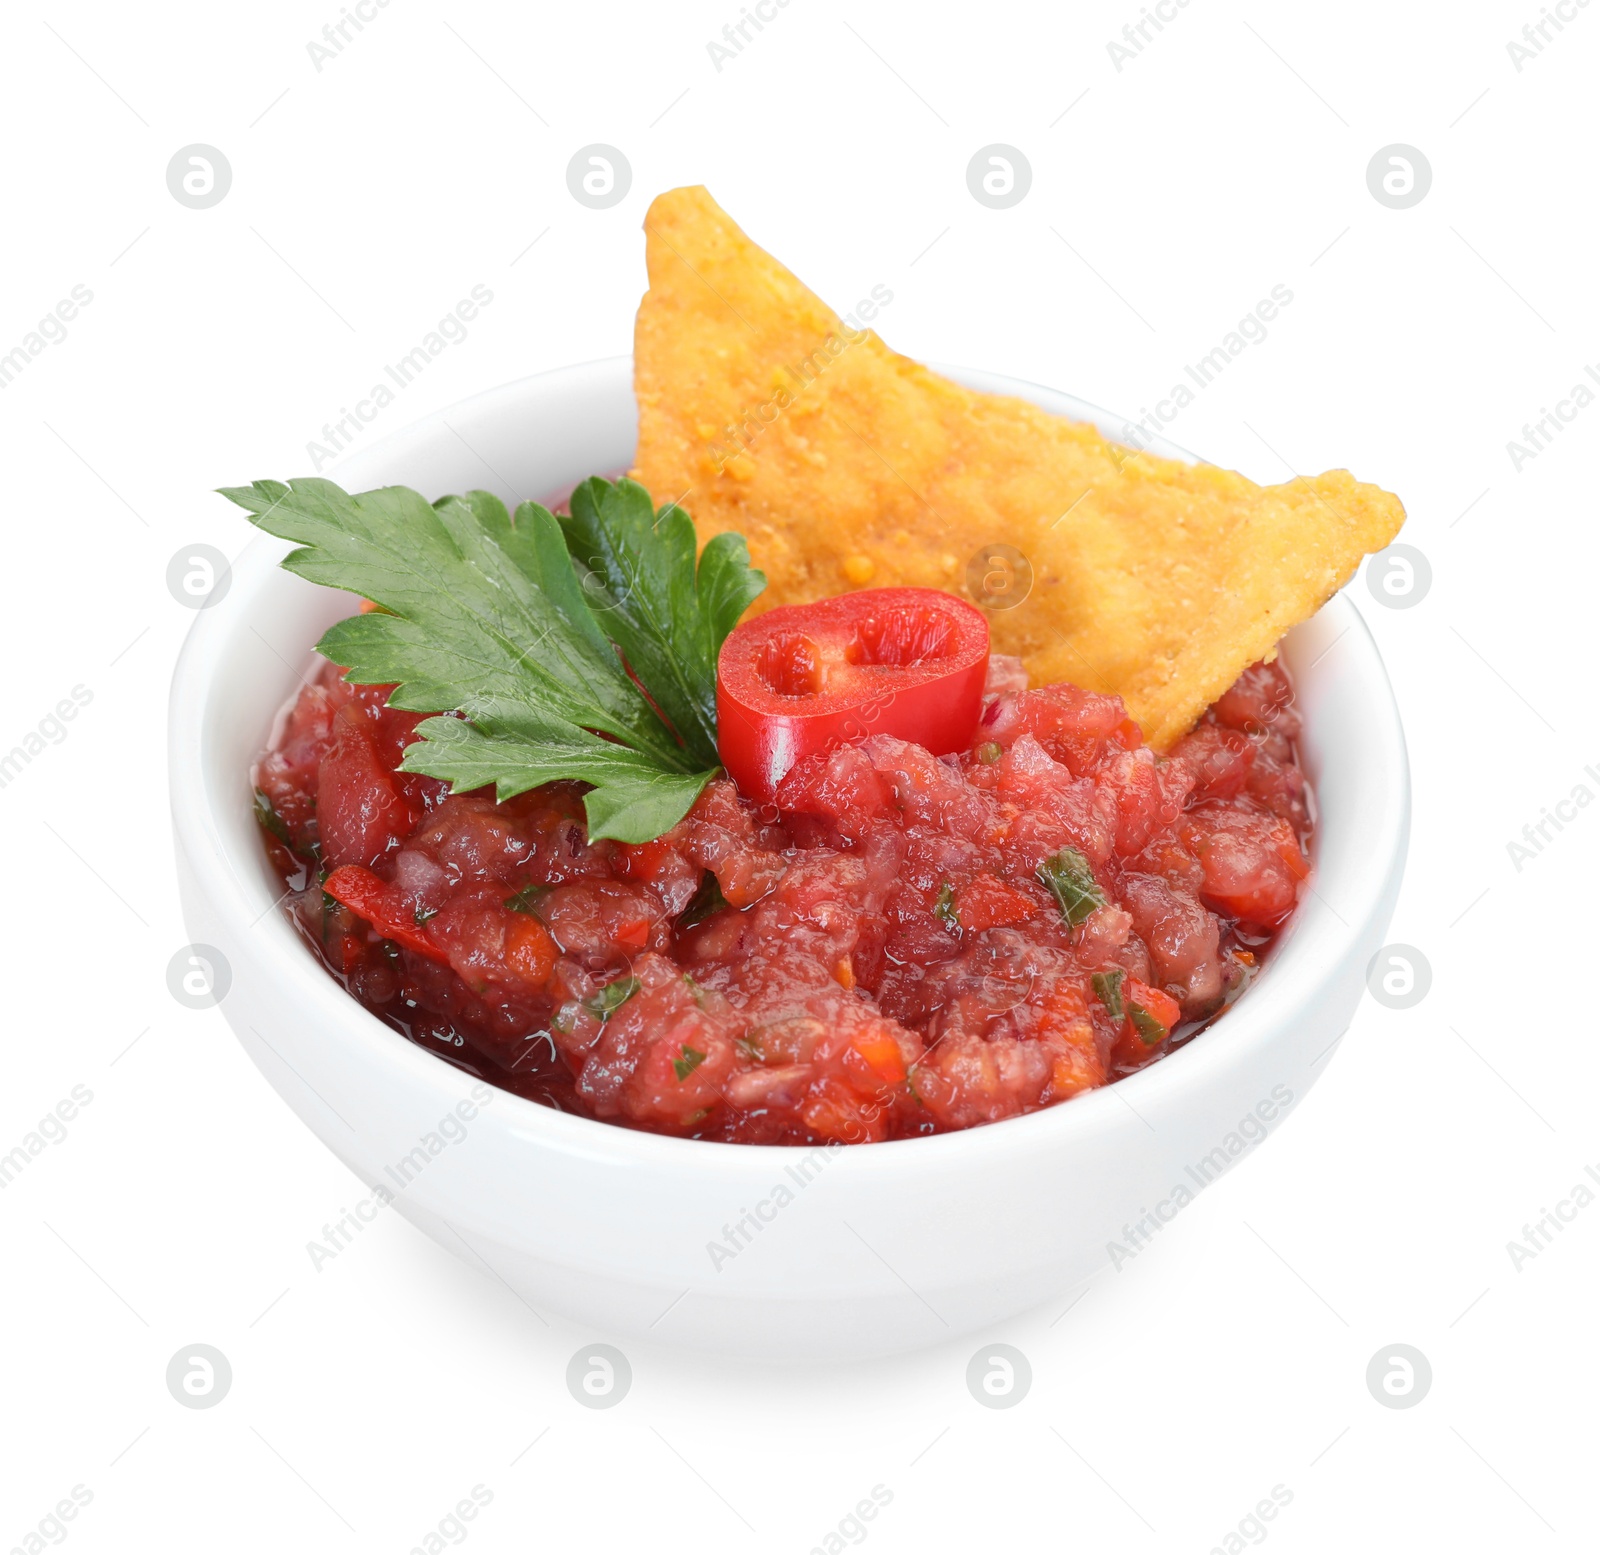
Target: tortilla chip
848,466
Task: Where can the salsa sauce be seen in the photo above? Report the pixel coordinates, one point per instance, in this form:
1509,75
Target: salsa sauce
901,944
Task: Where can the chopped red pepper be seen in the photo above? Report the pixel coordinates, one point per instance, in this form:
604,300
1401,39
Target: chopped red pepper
529,950
382,905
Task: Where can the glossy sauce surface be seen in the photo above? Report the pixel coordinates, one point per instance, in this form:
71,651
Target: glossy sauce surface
903,944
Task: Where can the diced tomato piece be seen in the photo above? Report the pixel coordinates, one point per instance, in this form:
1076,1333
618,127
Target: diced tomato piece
1253,863
1078,728
641,860
882,1053
1219,759
987,902
603,919
833,1111
361,815
1257,700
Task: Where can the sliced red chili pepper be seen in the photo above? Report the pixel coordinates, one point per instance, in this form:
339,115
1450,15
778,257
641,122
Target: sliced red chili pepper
382,905
805,678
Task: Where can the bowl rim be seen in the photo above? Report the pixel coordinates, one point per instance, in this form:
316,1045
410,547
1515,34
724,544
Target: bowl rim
1244,1031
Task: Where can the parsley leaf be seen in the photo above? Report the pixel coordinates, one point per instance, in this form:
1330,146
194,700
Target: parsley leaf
528,899
1108,989
270,820
612,997
690,1061
1071,881
637,567
487,620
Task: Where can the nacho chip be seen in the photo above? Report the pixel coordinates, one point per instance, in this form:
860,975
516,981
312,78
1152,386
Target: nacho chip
847,466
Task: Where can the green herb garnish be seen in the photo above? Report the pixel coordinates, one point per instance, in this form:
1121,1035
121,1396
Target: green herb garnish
1108,990
269,818
1150,1030
666,615
1071,881
611,998
691,1060
989,753
944,907
522,629
528,899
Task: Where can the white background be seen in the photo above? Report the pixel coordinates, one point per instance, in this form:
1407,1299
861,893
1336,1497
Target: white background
1229,156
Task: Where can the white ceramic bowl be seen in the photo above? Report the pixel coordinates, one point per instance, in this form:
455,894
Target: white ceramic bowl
860,1250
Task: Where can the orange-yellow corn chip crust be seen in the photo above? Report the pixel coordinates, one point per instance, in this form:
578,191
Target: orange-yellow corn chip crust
846,465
